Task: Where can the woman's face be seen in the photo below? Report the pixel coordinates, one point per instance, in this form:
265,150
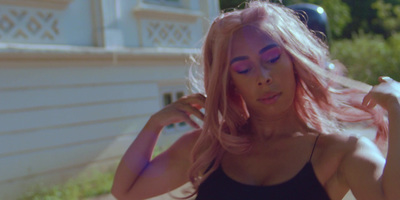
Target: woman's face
262,73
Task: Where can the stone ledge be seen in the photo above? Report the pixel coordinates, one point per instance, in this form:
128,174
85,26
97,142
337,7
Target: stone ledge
18,52
49,4
150,11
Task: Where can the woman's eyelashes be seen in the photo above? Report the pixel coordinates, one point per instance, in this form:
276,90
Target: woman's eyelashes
241,68
243,71
273,60
271,56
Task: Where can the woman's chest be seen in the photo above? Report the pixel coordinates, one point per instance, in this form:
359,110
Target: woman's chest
263,169
272,168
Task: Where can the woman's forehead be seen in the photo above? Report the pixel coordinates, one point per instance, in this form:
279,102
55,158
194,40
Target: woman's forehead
250,36
250,32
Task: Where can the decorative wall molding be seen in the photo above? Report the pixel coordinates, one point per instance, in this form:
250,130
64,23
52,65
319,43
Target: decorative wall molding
25,25
48,4
158,33
166,26
144,10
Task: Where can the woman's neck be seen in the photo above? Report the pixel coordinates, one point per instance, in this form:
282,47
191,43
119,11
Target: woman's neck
268,127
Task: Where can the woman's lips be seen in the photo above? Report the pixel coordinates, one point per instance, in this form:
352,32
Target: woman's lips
270,98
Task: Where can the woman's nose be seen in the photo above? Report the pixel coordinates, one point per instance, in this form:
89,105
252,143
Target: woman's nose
264,77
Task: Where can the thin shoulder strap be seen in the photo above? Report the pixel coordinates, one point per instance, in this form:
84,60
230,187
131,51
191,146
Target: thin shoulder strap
315,143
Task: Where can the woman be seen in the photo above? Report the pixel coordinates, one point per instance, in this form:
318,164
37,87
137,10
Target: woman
272,122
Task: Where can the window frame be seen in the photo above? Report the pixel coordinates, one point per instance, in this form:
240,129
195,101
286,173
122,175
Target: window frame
175,92
179,3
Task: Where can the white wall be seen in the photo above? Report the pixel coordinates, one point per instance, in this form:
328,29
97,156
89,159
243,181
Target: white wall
60,119
77,87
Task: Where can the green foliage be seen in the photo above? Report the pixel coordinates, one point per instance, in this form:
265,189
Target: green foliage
230,4
373,16
82,187
372,29
368,56
362,15
89,185
347,17
338,13
226,5
388,17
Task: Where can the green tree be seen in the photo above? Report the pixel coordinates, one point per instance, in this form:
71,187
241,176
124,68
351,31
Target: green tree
361,14
388,17
373,16
337,11
237,4
230,4
368,56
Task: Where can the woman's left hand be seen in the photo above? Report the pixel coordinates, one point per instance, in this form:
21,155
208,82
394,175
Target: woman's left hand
386,94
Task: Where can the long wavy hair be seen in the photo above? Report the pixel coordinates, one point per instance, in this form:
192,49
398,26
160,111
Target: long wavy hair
323,99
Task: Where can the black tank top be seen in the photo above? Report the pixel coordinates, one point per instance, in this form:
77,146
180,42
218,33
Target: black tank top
305,185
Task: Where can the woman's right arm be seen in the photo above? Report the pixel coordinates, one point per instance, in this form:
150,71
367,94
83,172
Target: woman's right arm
139,177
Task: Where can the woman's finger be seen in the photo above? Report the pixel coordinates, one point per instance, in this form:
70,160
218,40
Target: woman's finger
189,121
385,79
190,110
371,104
197,100
367,99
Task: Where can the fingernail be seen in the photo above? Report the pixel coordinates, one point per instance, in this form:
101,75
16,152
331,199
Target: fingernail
386,78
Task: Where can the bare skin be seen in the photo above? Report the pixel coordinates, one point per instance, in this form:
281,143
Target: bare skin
340,162
139,177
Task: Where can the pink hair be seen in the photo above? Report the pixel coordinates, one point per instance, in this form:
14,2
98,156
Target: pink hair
317,104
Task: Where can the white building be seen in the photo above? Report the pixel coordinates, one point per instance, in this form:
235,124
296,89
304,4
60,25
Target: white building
78,79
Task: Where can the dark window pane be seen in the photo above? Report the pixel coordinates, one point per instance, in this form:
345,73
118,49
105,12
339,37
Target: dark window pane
171,126
179,95
167,98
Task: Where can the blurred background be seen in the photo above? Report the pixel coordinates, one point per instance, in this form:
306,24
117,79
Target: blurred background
79,78
364,35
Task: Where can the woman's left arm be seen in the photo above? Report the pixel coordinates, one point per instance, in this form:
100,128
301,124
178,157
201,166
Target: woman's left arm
391,173
387,94
367,174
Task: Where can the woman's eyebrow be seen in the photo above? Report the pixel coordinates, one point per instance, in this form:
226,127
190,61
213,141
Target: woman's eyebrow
267,48
239,58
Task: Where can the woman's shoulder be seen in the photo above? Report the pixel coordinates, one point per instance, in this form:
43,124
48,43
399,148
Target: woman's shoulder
344,140
346,145
191,136
181,149
338,139
342,156
188,140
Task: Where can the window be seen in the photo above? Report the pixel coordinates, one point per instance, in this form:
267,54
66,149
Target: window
177,3
167,99
169,95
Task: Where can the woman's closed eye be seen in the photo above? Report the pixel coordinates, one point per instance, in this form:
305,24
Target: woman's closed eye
241,67
244,71
271,56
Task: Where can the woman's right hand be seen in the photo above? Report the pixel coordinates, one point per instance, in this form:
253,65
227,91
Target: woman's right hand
181,110
138,172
